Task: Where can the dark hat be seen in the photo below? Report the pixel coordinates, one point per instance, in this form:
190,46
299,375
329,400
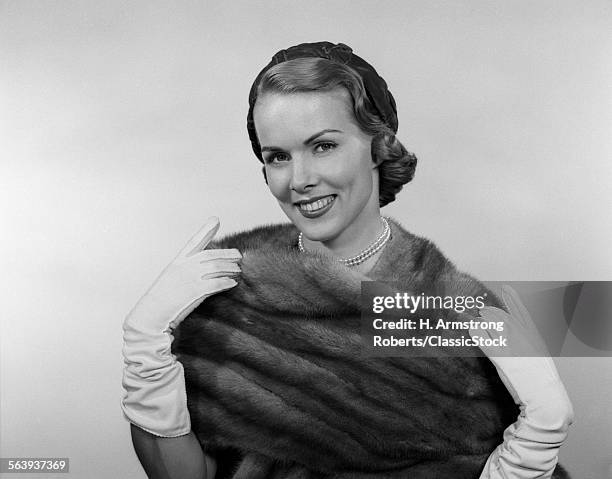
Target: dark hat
376,88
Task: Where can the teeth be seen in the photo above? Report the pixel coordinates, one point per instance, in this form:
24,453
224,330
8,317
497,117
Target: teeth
317,205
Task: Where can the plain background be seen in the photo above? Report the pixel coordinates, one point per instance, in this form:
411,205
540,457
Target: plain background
123,129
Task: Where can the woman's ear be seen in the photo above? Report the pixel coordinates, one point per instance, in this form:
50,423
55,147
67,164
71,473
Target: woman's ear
375,150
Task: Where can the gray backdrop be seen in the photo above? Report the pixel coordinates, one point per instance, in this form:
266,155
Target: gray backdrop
122,130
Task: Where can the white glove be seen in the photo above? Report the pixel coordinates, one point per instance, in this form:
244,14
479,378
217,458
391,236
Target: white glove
155,397
531,445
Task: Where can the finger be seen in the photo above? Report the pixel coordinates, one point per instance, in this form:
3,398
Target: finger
200,240
216,254
515,306
219,274
220,284
492,313
215,269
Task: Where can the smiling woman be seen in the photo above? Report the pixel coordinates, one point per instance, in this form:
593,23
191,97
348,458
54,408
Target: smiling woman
321,170
339,162
272,381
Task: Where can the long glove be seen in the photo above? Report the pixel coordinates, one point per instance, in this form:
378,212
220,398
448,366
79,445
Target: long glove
531,444
153,380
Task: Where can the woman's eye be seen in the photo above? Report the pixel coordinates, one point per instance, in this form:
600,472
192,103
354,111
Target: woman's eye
277,158
325,146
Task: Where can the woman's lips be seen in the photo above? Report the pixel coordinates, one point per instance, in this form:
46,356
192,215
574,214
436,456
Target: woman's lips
316,208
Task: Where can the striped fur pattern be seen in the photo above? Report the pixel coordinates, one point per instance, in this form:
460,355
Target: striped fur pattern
274,370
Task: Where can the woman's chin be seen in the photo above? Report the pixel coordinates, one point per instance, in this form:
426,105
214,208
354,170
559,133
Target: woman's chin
322,232
315,228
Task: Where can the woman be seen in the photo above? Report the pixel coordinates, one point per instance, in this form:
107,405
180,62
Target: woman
277,384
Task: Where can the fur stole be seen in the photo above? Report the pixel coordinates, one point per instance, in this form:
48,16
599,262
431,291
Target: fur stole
275,372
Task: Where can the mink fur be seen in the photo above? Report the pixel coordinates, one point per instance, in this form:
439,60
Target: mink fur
276,374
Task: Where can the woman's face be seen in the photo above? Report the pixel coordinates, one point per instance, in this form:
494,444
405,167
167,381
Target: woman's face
318,162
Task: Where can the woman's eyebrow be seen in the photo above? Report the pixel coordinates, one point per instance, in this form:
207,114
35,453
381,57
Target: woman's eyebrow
271,148
317,135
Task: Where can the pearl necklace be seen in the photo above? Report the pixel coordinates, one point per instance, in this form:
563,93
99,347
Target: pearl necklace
366,253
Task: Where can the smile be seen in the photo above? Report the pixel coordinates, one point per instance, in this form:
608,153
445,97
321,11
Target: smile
317,207
317,204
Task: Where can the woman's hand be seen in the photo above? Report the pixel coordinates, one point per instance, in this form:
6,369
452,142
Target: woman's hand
155,398
531,445
195,274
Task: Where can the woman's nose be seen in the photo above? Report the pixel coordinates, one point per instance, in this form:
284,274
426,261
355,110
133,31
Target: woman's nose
303,176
